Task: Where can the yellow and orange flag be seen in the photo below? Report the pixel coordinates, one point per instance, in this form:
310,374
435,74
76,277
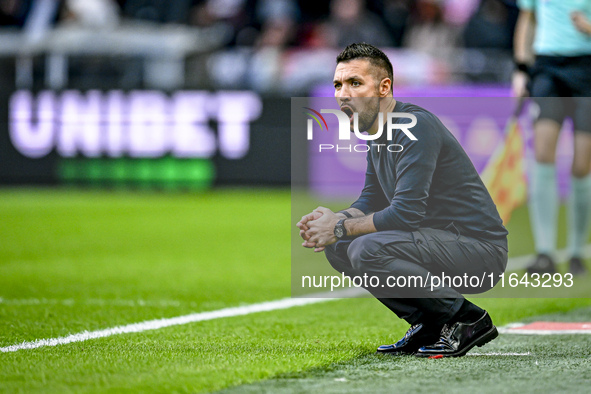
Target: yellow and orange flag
504,174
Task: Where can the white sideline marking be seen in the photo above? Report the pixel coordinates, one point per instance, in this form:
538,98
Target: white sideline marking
92,301
194,317
499,354
514,263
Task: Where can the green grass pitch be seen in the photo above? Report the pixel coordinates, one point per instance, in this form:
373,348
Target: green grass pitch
73,260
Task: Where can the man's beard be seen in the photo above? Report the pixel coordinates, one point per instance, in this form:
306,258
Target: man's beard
368,116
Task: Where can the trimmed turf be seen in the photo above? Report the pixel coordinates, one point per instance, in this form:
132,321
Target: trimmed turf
176,253
81,260
522,364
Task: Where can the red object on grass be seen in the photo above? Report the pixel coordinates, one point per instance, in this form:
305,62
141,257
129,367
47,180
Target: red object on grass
437,356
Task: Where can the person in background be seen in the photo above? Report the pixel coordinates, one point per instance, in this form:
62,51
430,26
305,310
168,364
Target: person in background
96,14
14,12
553,56
429,31
350,21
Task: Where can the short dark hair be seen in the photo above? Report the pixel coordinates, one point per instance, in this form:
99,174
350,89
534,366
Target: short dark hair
375,56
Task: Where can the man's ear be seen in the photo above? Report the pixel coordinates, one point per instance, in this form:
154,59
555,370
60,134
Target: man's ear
385,87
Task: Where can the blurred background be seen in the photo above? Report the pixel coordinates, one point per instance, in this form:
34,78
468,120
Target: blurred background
192,93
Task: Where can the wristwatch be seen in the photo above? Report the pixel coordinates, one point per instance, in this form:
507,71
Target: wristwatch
339,229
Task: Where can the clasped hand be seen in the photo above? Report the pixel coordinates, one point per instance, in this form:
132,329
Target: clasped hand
317,228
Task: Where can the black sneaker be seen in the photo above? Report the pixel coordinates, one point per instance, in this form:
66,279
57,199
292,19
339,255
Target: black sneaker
416,336
576,266
457,339
543,265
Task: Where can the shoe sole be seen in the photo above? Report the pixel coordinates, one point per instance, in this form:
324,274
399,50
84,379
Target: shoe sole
399,352
480,341
396,354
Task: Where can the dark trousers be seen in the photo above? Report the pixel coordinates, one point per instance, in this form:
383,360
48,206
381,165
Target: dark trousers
422,253
561,86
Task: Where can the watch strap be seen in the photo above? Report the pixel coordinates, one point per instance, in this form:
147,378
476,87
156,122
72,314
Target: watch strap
347,214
